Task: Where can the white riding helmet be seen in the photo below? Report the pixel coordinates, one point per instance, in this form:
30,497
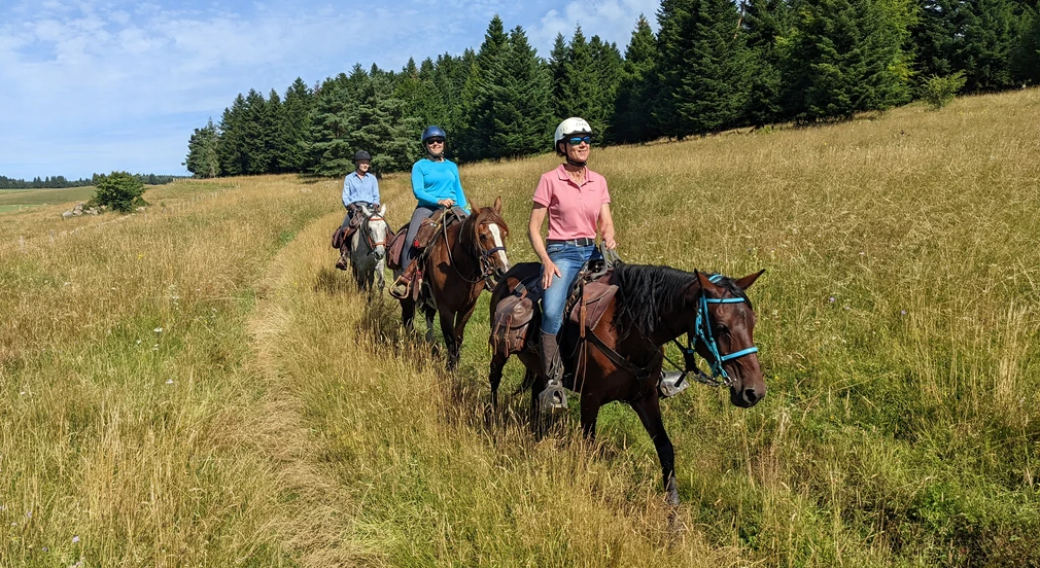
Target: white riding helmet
572,125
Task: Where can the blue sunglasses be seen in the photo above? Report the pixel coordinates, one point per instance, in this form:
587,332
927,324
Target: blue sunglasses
579,139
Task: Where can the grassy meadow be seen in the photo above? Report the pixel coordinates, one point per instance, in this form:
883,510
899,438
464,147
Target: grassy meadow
197,386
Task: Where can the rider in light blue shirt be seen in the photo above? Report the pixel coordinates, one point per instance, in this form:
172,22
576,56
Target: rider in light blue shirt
360,187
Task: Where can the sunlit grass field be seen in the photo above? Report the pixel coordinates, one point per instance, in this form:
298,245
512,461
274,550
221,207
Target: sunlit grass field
196,386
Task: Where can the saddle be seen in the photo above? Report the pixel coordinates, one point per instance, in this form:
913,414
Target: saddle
430,229
393,256
342,235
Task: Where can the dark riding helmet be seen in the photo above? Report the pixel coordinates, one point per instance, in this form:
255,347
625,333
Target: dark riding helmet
362,155
433,132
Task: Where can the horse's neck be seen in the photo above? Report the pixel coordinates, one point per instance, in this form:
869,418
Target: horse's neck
673,325
462,248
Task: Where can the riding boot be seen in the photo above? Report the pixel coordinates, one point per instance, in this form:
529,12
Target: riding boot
553,397
403,285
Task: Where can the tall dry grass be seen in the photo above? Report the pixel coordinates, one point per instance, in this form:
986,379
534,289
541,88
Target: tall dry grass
897,323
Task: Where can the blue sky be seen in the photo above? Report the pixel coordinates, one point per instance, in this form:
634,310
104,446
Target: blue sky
100,85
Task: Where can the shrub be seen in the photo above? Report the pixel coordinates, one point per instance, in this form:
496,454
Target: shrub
939,91
119,191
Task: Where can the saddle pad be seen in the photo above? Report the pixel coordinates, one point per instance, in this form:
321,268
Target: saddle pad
595,300
393,257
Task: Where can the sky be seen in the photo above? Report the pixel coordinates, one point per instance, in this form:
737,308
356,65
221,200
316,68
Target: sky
103,85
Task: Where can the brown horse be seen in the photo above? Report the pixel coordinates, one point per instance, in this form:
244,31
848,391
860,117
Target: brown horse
461,264
622,357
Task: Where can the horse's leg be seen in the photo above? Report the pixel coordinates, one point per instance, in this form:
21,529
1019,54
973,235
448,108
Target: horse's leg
428,312
649,411
498,362
590,405
380,277
447,319
537,420
408,314
461,319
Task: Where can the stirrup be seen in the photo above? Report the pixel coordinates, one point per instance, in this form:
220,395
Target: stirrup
341,264
670,384
401,288
552,399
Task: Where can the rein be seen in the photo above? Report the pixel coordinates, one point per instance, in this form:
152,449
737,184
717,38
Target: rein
487,268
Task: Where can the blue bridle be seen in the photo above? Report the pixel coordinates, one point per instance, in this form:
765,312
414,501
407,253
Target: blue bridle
704,334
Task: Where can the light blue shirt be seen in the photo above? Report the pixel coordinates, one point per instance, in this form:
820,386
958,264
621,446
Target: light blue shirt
357,188
434,181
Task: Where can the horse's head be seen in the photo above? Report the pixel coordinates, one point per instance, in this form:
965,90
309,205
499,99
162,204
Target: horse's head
727,320
488,236
374,230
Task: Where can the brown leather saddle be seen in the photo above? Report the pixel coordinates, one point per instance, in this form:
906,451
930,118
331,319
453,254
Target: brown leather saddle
513,317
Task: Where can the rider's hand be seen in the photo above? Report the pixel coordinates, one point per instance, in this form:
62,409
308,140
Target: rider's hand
610,243
548,269
446,203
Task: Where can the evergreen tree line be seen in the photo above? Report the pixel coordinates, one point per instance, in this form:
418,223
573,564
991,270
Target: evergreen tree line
713,65
59,182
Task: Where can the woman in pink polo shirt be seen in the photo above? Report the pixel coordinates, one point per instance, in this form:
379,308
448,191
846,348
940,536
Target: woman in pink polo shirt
577,202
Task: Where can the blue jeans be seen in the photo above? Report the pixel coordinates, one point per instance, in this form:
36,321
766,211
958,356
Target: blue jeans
569,259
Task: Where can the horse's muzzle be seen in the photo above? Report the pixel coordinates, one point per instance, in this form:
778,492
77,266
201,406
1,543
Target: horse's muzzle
379,253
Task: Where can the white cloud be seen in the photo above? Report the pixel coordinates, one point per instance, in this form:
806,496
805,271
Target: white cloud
611,20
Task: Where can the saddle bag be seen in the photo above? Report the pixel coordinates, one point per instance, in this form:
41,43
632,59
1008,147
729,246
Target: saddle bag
339,238
512,321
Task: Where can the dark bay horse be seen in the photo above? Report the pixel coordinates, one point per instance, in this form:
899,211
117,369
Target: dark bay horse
460,264
654,305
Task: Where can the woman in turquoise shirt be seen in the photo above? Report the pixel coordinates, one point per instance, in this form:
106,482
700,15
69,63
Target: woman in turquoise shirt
436,184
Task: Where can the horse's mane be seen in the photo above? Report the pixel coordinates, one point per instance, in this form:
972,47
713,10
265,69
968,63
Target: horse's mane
647,294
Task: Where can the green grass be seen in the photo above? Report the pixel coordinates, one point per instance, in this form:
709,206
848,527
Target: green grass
897,323
45,196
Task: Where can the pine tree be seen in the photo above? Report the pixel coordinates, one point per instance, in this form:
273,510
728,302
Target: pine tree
202,152
705,67
578,88
607,64
520,95
558,58
847,57
633,105
990,34
476,124
299,100
1025,60
766,23
231,151
936,37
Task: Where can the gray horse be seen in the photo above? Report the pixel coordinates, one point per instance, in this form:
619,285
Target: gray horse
368,249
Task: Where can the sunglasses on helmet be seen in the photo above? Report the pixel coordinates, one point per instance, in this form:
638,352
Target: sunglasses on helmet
579,139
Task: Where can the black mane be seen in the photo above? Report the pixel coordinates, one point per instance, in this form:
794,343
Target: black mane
648,294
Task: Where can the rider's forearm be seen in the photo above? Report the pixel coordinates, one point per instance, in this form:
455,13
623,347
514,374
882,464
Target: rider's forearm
534,234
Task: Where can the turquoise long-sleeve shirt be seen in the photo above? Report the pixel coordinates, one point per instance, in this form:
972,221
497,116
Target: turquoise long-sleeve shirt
434,181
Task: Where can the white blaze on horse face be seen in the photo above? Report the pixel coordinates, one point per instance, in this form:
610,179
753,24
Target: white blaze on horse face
497,235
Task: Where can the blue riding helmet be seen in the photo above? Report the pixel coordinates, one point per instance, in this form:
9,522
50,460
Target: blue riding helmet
433,132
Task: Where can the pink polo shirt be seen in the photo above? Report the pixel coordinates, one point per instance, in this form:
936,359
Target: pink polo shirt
573,209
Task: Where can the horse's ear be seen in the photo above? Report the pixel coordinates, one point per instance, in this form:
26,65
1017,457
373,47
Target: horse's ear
382,210
706,283
498,204
746,282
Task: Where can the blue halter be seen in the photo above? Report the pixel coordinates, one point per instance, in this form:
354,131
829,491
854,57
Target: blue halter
705,335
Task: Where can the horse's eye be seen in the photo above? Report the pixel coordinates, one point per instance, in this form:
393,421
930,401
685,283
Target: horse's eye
721,329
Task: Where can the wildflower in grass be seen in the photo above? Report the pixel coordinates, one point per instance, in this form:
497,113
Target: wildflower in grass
138,341
902,312
157,330
831,300
169,381
75,539
847,308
